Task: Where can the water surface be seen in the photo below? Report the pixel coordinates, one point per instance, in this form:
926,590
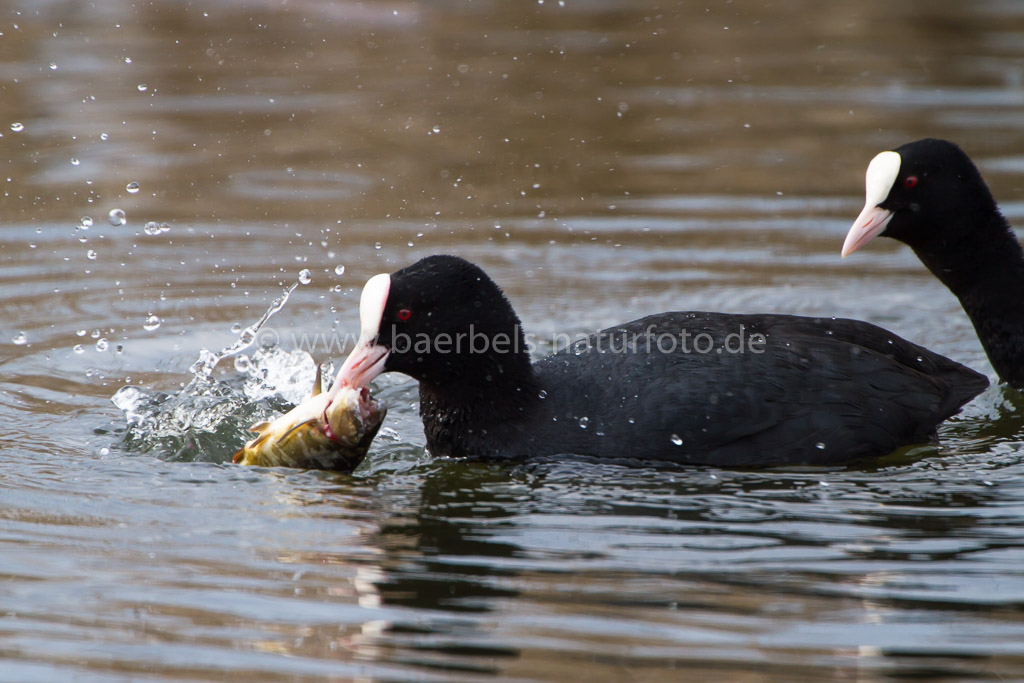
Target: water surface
602,160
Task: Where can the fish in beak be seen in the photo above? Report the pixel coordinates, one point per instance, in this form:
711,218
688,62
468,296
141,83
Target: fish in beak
329,431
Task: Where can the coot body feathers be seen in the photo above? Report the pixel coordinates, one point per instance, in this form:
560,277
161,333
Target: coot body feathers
820,391
796,390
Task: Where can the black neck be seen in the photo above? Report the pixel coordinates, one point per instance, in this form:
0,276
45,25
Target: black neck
462,415
987,275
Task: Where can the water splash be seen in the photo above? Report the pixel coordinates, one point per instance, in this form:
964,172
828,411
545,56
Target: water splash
208,360
272,371
204,421
209,418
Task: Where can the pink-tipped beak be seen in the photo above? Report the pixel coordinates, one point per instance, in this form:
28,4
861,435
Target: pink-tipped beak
367,359
362,365
871,222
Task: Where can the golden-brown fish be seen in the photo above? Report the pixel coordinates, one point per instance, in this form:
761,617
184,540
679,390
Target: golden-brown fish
330,431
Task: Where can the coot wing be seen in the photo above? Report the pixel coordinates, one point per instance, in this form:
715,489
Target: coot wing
747,390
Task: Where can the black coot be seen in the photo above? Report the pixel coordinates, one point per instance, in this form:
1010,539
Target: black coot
930,196
694,388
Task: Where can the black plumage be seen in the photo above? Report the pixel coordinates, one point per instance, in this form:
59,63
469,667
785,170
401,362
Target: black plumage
939,205
795,390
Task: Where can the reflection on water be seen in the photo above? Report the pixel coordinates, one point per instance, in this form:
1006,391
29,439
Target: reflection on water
602,160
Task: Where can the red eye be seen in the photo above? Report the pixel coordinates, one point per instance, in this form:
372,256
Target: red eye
404,314
910,181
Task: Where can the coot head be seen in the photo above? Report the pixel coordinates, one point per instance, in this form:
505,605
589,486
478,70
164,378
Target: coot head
927,194
442,321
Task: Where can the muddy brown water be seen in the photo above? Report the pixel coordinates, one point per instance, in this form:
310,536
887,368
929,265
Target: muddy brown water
602,160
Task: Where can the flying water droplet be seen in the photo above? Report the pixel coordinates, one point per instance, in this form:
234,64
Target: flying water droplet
102,344
86,223
53,66
584,422
677,440
104,451
820,445
207,360
142,87
75,162
339,269
543,394
20,339
17,127
236,328
152,323
91,254
78,348
305,277
388,434
104,137
117,218
132,187
152,228
82,332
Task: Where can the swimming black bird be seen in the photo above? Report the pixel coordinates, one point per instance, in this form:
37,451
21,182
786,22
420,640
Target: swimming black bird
688,387
930,196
